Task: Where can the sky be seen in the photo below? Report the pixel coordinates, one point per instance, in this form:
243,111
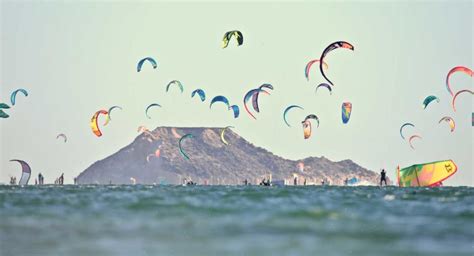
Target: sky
75,58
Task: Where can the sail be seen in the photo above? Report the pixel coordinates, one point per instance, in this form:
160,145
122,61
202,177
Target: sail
426,175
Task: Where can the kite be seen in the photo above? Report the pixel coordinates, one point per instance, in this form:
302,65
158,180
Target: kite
465,70
308,67
220,99
335,45
201,94
236,110
150,106
94,124
133,180
456,95
326,86
180,146
352,181
222,134
14,93
3,114
62,135
151,60
401,128
176,82
25,172
157,154
428,100
248,96
255,95
450,121
426,175
306,129
312,116
411,138
228,35
346,112
109,116
286,112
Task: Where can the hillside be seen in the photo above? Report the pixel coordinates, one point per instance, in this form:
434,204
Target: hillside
211,161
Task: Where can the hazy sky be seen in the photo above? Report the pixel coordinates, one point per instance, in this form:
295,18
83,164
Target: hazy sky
77,57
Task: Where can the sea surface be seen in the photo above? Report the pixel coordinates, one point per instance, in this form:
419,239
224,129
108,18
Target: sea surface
235,220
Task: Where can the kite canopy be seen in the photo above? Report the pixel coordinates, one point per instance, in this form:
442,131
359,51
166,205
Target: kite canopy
150,106
306,129
220,98
308,67
456,95
14,93
413,137
249,95
3,114
25,171
175,82
149,59
285,112
426,175
234,33
201,94
312,116
346,112
255,95
183,153
62,135
462,69
94,124
333,46
450,121
428,100
236,110
325,85
222,135
401,128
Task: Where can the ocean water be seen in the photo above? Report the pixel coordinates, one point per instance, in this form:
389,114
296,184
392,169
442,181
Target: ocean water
235,220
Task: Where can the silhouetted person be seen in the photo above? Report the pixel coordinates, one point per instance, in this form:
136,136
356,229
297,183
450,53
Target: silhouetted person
383,178
40,179
322,182
295,181
61,179
246,182
346,181
304,182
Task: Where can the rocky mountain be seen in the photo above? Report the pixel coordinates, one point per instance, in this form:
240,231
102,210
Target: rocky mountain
154,157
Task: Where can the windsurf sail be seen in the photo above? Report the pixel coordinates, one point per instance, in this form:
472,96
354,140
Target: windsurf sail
426,175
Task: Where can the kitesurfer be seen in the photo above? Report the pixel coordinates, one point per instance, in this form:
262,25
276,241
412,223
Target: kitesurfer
61,179
40,179
382,177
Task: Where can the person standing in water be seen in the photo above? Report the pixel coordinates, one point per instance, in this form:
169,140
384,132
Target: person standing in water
61,179
383,177
40,179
